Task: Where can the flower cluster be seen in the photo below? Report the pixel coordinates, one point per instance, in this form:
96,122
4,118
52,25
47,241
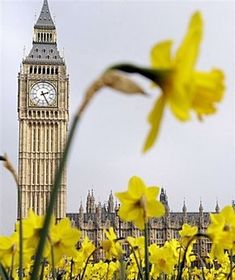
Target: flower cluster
69,255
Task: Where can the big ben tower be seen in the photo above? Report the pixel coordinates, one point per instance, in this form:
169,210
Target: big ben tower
43,118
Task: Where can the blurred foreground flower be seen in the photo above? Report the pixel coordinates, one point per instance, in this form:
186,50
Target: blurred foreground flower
64,238
183,88
139,203
222,232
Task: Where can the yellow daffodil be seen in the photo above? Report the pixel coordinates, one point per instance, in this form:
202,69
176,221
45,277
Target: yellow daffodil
222,232
139,203
183,88
162,260
111,246
32,226
87,247
9,250
187,233
64,238
137,244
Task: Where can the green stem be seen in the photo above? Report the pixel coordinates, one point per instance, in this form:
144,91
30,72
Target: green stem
42,270
155,75
146,251
53,198
12,265
122,269
53,263
84,270
71,269
20,233
198,235
3,273
136,260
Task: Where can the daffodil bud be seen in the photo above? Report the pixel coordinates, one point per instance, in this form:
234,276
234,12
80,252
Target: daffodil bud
112,79
116,80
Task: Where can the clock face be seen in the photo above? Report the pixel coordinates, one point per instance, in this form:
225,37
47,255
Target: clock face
43,94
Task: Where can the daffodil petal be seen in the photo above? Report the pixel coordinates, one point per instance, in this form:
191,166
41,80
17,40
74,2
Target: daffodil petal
154,118
161,55
155,208
136,187
152,192
134,214
123,196
124,210
180,104
188,51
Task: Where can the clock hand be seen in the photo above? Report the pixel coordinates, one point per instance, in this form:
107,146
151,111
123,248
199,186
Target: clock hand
43,93
45,97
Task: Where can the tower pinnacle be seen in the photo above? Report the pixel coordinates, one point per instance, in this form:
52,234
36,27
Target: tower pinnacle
45,19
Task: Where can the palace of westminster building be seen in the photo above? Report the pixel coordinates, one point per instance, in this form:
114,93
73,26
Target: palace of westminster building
43,111
95,218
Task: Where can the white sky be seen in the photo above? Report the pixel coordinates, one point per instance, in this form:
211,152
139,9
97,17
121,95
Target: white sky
191,160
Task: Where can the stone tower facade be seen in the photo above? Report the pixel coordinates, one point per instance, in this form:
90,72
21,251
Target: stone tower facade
43,110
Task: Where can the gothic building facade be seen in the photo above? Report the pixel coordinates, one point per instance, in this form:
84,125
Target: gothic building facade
95,218
43,118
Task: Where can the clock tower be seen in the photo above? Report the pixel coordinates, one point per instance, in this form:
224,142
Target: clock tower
43,118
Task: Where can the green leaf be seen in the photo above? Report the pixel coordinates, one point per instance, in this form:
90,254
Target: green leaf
3,273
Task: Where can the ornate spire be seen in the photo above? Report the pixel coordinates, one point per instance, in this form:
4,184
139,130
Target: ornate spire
44,48
184,209
217,209
45,19
200,207
111,203
81,210
164,200
88,202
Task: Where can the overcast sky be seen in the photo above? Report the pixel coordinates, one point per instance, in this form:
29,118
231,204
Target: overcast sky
191,160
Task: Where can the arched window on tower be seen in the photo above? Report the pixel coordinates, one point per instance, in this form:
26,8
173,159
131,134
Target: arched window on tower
30,69
52,70
43,70
39,70
48,70
56,70
35,70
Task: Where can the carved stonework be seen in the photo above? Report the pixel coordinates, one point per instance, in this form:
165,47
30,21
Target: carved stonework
160,229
